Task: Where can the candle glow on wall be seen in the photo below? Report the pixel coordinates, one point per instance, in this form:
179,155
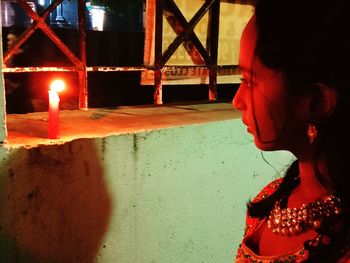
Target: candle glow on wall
54,100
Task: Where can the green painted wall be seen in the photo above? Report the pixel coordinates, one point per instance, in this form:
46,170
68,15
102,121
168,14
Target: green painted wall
169,195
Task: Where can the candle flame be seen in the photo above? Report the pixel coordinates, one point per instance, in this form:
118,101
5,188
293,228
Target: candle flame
57,85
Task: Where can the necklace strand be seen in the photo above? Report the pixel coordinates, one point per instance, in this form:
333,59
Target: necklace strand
293,221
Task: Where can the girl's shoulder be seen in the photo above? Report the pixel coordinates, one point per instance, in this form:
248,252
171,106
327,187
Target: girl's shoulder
253,222
345,258
268,190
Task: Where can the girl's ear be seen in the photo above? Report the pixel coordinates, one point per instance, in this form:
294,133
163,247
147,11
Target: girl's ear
323,101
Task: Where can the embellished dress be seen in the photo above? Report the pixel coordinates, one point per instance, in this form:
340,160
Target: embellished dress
245,252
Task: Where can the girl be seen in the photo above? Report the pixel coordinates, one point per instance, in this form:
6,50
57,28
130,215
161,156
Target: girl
295,96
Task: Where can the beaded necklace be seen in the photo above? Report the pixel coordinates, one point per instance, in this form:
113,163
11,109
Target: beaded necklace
293,221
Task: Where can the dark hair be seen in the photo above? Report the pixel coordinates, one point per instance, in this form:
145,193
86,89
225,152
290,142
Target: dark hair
309,41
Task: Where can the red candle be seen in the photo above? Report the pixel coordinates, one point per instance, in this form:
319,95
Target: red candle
54,108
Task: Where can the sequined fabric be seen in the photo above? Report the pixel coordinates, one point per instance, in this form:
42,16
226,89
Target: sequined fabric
246,255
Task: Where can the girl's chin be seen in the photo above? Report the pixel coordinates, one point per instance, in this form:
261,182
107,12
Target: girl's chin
266,146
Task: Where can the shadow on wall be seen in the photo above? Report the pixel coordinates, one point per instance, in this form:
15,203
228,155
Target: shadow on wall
54,204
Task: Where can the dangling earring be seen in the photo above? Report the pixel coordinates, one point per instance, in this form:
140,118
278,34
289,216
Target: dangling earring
311,132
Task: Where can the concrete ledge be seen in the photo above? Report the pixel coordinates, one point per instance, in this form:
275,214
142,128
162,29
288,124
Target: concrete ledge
169,184
31,129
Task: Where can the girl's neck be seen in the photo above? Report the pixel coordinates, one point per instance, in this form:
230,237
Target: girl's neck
309,189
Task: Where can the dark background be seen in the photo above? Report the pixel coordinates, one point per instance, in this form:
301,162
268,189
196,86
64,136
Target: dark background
105,48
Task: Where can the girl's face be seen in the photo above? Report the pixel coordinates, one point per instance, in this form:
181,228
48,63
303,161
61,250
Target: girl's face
273,118
11,39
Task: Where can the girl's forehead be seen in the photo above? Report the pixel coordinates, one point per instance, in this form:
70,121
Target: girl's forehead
247,45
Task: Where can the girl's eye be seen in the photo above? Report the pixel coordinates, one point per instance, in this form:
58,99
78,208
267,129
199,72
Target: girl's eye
245,82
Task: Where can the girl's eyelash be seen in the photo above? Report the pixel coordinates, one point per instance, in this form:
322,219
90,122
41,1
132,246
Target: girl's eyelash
243,80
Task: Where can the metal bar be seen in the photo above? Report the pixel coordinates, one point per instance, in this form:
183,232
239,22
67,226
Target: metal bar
235,67
158,34
173,8
110,69
144,68
158,94
70,55
114,69
188,30
83,93
83,85
213,33
158,50
39,69
48,31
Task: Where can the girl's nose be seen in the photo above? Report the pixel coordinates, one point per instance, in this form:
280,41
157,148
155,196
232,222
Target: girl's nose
238,99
